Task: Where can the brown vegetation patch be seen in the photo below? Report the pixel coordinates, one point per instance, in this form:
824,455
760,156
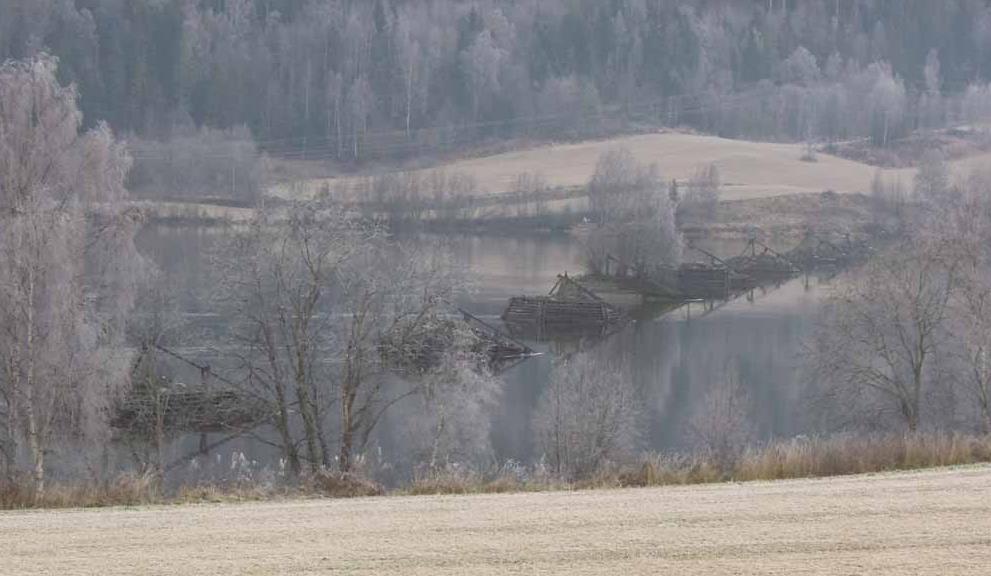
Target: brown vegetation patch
955,144
797,458
787,216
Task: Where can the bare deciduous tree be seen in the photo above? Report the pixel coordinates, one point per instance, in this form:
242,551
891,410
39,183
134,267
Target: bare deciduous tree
325,307
880,332
722,423
932,181
967,226
586,416
395,300
280,280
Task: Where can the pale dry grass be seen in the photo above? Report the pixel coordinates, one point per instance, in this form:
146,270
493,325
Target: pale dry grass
924,523
124,490
192,211
805,458
747,169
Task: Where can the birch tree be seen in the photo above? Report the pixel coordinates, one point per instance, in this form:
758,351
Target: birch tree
67,266
635,216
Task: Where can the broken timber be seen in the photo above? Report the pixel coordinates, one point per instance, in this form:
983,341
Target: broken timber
716,279
176,408
503,349
817,252
761,262
569,308
420,349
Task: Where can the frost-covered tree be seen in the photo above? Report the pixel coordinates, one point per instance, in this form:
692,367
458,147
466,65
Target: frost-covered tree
323,308
279,280
966,227
932,180
886,102
800,68
722,423
635,216
67,268
448,420
882,332
586,416
482,62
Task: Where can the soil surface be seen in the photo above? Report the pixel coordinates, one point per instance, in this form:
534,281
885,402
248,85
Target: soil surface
932,522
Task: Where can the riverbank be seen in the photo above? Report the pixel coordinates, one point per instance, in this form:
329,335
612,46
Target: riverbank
921,523
784,217
787,459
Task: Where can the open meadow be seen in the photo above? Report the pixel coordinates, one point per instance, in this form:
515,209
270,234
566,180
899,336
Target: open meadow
935,522
747,170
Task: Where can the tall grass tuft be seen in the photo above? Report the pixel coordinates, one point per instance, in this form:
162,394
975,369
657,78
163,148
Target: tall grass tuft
125,490
809,458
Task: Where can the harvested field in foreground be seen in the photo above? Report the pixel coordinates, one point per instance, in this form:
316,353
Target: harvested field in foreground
932,522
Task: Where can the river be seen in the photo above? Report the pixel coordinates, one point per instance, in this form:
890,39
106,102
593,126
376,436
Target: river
675,360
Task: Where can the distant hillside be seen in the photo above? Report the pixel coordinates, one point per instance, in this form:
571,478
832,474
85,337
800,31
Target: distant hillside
747,169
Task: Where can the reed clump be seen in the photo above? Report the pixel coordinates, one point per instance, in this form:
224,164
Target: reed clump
463,480
813,457
124,490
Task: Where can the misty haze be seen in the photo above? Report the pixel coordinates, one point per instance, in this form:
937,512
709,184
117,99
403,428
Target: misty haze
489,286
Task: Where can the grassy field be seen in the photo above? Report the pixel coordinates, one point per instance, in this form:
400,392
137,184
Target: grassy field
748,169
933,522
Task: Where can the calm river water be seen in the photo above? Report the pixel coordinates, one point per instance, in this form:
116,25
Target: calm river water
675,359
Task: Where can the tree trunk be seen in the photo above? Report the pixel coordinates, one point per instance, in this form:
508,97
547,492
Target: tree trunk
348,394
281,405
306,410
35,443
340,132
282,424
347,431
13,449
160,407
304,389
409,96
984,401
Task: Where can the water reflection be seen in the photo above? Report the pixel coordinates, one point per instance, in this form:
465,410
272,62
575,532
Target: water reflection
675,360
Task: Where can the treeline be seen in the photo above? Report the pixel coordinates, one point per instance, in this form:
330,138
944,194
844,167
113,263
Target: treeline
347,80
903,340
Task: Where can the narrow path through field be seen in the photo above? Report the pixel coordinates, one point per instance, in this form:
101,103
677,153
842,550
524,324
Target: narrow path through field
933,522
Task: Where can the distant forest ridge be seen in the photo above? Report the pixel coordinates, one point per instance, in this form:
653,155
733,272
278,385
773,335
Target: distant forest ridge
349,80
